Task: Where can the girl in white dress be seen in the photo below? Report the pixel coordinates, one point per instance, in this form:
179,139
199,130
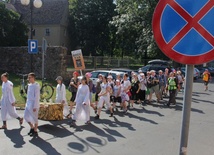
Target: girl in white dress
61,96
32,105
104,97
82,111
8,101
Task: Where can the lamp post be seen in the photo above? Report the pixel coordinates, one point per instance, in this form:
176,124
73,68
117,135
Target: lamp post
36,4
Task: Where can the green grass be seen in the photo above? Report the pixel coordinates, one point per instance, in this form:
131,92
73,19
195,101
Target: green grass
20,101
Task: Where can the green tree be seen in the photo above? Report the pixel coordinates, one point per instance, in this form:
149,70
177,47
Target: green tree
89,27
134,28
13,32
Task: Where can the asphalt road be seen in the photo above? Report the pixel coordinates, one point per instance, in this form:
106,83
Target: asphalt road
154,130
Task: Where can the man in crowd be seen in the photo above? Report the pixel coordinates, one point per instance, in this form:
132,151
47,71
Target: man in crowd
206,79
153,83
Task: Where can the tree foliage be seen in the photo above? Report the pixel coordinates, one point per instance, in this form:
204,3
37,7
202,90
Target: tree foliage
134,28
13,32
89,25
119,27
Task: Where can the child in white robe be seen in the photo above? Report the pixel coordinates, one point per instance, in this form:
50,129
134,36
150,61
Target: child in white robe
8,101
32,105
104,97
61,96
82,111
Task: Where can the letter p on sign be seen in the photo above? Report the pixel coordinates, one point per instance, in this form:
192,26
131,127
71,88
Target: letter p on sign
32,46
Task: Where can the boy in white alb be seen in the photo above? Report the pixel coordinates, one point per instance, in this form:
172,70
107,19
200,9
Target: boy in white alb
32,105
8,101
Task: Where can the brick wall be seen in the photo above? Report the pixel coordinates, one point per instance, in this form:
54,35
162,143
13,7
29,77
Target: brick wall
17,60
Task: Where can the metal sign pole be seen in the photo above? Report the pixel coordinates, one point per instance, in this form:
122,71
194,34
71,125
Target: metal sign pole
44,48
81,72
186,109
43,64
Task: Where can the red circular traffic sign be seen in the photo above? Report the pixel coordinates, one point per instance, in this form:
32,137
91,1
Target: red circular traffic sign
184,30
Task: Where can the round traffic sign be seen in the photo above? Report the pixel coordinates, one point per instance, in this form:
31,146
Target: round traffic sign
184,30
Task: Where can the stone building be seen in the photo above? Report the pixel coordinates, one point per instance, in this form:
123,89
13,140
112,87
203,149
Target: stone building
50,21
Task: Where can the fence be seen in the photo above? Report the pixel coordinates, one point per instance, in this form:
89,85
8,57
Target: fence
92,62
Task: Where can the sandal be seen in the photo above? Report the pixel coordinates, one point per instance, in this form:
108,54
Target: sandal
88,122
3,127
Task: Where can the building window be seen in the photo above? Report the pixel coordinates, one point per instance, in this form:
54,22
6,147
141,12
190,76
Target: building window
47,32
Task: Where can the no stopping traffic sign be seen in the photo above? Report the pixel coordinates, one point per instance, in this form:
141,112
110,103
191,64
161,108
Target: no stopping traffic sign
184,30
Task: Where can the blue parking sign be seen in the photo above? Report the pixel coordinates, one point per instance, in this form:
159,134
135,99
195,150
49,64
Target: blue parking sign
32,46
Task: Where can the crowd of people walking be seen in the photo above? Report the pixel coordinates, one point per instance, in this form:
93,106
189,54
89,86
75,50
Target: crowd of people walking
124,91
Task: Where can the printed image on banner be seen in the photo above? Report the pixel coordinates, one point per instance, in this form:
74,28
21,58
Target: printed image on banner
78,60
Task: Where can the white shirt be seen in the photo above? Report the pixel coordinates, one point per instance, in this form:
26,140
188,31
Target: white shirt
60,93
33,95
103,88
7,93
116,89
126,84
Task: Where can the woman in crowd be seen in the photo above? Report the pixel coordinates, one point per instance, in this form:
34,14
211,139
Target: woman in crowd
74,83
8,101
143,88
117,93
111,84
125,88
104,97
82,111
61,96
98,89
172,87
135,89
90,85
180,80
118,77
166,76
162,83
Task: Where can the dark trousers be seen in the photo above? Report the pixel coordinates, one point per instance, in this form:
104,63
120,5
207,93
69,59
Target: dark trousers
172,94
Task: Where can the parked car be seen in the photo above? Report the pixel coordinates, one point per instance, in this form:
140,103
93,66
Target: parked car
202,69
95,74
124,70
196,73
159,62
154,67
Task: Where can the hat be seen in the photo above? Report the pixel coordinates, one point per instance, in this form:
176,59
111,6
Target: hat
88,74
100,75
140,71
59,78
152,71
109,77
117,80
141,74
76,73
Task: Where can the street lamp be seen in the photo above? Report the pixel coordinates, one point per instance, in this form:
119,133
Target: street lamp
36,4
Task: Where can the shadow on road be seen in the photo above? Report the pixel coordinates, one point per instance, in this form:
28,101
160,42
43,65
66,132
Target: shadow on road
179,108
152,112
44,146
199,101
55,130
92,128
16,137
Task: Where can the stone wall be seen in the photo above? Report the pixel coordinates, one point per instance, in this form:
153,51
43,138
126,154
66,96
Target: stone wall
17,60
